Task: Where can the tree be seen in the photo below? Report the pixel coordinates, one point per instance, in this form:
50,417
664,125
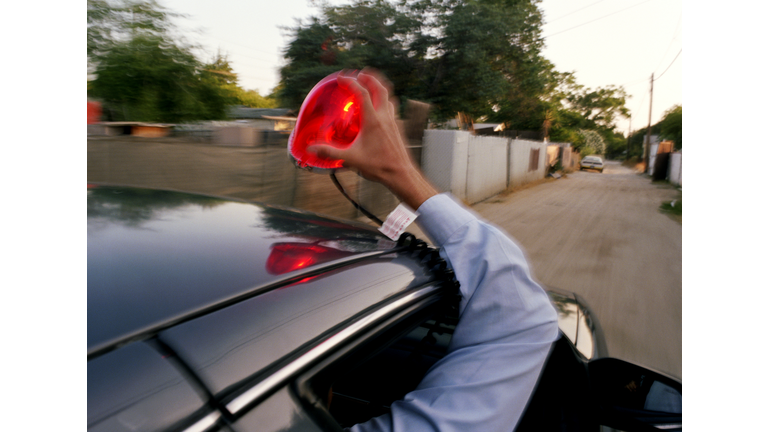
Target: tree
672,126
479,58
572,108
144,73
116,21
591,143
150,79
461,56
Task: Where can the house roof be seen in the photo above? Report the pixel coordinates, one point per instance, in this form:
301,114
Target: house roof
283,118
495,126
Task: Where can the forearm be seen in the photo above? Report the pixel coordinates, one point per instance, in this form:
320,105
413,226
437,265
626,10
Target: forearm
410,186
499,294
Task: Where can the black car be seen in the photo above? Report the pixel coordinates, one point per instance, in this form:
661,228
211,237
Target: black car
209,314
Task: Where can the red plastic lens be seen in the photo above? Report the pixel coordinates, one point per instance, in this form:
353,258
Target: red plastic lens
329,115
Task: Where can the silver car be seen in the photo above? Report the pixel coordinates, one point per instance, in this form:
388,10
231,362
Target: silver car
592,162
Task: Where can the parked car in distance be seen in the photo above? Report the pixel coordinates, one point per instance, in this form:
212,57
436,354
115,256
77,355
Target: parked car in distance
210,314
592,162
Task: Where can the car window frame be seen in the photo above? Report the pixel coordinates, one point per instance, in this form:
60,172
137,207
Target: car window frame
364,347
341,341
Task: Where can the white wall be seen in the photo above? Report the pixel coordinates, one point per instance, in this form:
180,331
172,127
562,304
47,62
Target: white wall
676,168
486,167
444,160
474,168
519,162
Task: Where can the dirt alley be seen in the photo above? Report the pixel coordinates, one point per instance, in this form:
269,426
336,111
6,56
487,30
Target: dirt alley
603,237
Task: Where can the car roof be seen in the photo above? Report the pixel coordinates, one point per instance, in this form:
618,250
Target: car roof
158,258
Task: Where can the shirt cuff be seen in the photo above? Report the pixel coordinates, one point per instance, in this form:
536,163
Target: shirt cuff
441,215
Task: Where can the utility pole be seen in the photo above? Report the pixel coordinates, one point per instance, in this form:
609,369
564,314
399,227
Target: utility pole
629,134
647,145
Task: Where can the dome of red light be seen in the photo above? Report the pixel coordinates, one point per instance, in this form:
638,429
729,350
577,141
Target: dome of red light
329,115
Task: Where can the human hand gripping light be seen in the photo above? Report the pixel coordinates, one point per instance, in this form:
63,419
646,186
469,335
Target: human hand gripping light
379,153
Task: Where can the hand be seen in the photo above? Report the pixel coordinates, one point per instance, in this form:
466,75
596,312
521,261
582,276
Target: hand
378,152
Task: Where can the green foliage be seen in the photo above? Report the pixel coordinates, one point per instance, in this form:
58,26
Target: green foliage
150,79
672,126
637,139
591,143
115,21
615,146
673,208
479,58
252,98
669,128
461,56
145,73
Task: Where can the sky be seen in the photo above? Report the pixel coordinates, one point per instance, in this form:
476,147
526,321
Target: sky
604,42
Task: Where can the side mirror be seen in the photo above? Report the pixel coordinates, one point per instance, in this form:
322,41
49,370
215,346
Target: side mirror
633,398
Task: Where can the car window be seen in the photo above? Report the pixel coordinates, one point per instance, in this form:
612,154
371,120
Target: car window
280,412
364,384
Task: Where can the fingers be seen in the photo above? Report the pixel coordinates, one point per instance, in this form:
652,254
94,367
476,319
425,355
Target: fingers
327,152
381,78
387,84
354,86
369,83
379,93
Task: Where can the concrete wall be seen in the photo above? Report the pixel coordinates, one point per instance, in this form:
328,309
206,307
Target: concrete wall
519,162
569,158
252,173
676,168
474,168
444,157
486,167
244,136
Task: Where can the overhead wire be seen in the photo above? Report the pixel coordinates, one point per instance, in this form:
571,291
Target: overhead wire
670,65
571,13
596,19
674,36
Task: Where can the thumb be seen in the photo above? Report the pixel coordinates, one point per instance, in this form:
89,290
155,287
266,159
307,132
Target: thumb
326,151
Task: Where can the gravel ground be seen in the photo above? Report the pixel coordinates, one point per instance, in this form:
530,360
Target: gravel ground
603,237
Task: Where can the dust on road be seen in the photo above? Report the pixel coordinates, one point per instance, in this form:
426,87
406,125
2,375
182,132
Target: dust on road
603,237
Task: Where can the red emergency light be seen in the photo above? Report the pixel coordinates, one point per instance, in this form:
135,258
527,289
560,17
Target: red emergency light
329,115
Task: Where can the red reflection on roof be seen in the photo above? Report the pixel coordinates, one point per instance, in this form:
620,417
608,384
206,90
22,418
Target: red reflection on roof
288,257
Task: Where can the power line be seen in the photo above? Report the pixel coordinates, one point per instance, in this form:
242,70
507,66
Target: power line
571,13
634,82
596,19
674,36
640,106
665,70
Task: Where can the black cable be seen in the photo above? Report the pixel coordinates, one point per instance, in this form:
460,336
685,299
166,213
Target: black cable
670,65
370,215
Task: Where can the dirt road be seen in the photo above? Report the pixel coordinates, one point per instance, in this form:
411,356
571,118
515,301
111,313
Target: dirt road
603,237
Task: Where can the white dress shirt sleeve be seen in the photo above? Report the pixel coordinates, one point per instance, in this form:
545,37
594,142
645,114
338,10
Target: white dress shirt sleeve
506,328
